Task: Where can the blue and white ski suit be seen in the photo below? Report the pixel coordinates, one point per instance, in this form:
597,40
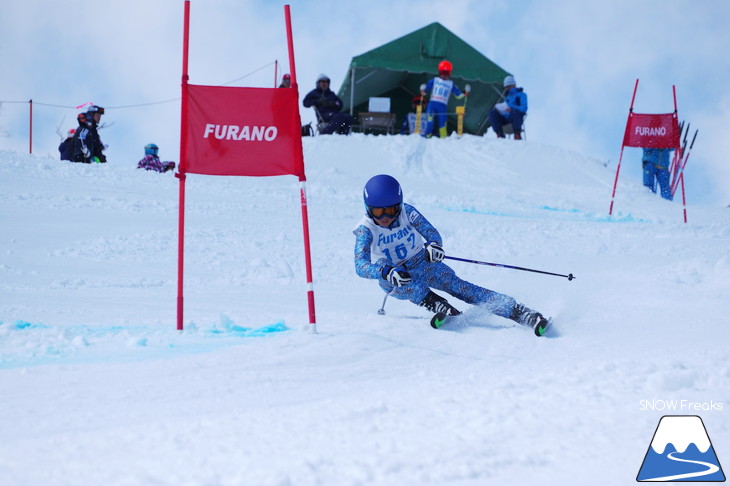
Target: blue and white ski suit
437,109
401,245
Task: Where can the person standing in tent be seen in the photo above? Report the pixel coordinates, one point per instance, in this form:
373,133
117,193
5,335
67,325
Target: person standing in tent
439,89
327,105
512,110
394,234
655,162
409,122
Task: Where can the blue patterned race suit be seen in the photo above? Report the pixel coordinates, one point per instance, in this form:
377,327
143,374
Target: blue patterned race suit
401,244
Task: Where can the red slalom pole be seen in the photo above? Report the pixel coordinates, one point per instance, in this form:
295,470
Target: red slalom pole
182,167
302,185
684,199
30,129
618,167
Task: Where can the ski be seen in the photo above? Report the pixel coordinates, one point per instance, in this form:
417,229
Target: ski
439,319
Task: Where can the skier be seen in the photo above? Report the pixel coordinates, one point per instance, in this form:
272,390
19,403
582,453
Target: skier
439,89
88,146
152,162
655,164
394,234
66,148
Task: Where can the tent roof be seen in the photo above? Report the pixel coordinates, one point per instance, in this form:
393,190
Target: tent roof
397,69
422,50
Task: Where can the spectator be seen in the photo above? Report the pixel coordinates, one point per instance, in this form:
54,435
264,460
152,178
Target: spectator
512,110
285,81
152,162
439,89
409,259
655,162
87,145
327,105
409,122
67,146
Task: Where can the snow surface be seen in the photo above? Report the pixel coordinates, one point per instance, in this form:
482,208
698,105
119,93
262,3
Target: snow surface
98,387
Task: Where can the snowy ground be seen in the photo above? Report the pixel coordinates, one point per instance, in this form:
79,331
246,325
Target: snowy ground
98,387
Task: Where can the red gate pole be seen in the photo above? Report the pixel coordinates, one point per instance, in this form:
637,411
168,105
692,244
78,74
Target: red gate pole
684,200
302,185
30,128
182,167
618,167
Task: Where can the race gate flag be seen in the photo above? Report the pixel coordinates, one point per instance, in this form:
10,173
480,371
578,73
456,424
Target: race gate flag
243,132
681,451
652,131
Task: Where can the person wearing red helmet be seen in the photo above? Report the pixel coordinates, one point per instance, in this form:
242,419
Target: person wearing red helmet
439,89
67,146
285,81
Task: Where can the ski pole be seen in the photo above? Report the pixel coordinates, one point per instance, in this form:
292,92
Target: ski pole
569,276
381,311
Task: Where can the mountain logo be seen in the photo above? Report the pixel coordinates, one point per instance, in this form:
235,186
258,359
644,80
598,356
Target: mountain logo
681,451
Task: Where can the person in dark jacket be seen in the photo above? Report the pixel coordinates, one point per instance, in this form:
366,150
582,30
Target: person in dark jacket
88,146
66,149
328,105
285,81
512,110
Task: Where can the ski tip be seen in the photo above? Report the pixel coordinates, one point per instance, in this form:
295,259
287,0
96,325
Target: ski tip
542,327
438,320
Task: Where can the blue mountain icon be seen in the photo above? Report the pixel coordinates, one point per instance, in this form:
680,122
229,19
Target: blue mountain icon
681,451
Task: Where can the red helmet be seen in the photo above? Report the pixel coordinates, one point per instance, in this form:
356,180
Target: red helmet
71,132
445,67
417,100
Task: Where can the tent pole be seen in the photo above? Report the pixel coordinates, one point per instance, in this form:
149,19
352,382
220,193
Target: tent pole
352,91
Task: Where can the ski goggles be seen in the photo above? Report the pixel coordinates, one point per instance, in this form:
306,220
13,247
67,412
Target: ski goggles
379,213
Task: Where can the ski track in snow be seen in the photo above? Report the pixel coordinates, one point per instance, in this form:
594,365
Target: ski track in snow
99,388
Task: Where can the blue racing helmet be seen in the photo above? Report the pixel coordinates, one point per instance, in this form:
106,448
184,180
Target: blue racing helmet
150,149
383,196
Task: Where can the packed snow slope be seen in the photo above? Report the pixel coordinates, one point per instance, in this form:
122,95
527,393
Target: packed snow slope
99,388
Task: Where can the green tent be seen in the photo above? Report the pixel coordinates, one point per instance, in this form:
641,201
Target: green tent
396,70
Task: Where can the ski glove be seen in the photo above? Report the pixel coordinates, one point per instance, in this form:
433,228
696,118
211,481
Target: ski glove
396,276
434,253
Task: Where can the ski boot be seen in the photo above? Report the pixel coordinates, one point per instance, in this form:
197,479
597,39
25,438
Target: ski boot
528,317
440,307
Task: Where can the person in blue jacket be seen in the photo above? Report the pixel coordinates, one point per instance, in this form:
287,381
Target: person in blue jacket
328,106
655,162
512,110
409,257
439,90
